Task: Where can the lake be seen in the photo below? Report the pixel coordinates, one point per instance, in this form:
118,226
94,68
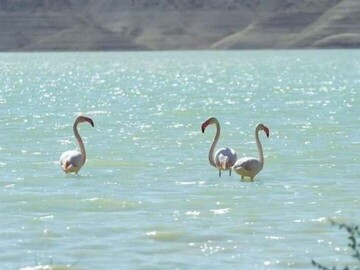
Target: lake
147,197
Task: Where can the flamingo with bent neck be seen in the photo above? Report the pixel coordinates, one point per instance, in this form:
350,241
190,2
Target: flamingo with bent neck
224,158
72,160
249,166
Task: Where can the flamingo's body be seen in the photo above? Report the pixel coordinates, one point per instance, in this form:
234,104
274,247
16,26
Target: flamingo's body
224,158
250,166
71,161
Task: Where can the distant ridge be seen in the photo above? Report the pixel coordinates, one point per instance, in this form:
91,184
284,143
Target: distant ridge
37,25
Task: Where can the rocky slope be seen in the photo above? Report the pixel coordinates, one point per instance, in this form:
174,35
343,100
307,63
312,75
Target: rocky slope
27,25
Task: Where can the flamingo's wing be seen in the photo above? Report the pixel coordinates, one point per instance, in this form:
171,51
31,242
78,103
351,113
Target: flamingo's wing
248,163
71,161
225,158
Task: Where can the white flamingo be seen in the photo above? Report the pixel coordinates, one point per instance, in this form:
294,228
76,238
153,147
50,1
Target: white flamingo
73,160
224,158
249,166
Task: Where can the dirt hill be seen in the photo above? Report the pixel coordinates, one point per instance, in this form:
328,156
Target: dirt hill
28,25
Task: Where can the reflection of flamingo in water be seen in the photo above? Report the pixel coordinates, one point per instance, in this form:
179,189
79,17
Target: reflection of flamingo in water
249,166
73,160
224,158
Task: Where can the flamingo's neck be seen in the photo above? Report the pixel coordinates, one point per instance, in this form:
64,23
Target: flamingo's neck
259,147
79,141
213,145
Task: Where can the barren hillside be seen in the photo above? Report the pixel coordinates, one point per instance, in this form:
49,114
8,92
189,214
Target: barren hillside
27,25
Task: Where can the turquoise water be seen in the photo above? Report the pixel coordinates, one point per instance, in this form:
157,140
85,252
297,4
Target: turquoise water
147,197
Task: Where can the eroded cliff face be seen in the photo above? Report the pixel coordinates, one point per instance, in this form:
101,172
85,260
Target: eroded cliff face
177,24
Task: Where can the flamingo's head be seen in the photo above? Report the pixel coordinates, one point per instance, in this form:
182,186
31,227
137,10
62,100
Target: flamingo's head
210,121
264,128
81,119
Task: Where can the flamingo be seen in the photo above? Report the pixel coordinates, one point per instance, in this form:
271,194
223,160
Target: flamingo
73,160
249,166
224,158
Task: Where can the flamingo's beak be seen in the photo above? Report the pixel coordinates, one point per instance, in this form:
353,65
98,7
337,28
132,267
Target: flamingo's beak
203,126
90,121
267,132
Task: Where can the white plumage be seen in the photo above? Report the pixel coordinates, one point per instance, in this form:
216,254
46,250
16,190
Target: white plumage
71,161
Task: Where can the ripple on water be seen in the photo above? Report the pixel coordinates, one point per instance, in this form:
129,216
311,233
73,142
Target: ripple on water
50,267
165,235
103,204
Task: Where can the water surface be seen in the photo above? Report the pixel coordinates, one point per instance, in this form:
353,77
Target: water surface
147,197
